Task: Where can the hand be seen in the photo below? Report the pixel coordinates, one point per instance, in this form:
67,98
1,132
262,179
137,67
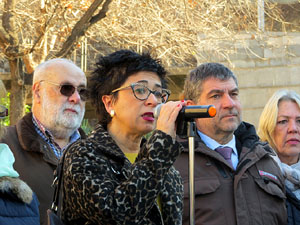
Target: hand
167,117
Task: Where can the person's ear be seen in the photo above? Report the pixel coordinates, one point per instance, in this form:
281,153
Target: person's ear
190,102
36,91
108,102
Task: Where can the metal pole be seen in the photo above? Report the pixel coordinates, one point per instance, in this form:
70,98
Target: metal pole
82,55
191,130
261,15
85,54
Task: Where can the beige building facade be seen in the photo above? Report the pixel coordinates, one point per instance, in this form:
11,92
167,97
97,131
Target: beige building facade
262,65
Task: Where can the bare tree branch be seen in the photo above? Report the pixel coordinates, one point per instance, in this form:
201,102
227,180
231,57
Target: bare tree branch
180,32
4,37
42,34
101,14
81,26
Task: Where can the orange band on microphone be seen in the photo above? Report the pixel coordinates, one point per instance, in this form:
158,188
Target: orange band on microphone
212,111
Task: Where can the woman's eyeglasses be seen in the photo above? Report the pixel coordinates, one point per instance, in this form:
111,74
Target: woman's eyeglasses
68,90
3,111
142,92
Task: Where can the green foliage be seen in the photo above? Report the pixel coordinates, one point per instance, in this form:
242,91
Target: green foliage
85,125
27,108
6,102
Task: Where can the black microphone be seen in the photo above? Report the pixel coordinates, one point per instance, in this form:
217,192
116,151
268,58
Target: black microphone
191,111
187,114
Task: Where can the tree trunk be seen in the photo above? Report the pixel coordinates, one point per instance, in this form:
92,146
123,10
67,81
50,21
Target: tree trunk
13,48
17,95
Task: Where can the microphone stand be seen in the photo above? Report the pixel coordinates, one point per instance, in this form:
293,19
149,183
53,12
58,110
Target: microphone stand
191,133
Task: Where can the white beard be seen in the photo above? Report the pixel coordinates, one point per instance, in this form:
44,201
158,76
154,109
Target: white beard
61,123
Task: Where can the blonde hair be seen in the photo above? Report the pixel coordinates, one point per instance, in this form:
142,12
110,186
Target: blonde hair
268,117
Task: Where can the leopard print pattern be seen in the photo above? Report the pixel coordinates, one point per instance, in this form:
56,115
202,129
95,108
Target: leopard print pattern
101,186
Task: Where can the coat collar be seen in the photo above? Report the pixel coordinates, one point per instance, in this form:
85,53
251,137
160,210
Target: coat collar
17,187
28,137
101,136
245,137
247,142
30,140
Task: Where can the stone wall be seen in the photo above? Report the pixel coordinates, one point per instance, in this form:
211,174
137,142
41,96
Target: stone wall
265,66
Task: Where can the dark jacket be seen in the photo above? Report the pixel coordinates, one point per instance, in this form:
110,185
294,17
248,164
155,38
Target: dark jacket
18,205
35,160
101,186
293,208
254,194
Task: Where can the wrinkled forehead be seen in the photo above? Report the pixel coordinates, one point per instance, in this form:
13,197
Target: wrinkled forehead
213,83
65,73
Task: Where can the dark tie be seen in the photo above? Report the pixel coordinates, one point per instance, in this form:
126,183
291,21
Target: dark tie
226,153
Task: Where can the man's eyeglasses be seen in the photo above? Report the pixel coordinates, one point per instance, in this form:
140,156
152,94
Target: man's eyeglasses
3,111
142,92
68,90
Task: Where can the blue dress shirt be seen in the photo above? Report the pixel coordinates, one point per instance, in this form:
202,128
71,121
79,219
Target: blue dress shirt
212,144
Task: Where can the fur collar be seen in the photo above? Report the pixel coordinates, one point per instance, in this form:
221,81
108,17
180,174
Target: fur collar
17,187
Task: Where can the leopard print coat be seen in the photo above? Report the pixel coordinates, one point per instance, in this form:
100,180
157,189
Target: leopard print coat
101,186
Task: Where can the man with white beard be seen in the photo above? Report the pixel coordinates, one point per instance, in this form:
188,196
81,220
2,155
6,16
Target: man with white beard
40,137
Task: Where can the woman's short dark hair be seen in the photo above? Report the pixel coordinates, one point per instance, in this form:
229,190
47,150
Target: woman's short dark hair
113,70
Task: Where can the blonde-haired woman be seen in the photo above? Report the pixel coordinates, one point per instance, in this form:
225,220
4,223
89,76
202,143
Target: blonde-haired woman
279,125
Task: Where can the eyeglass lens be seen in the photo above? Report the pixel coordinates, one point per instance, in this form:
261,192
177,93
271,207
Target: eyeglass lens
142,92
68,90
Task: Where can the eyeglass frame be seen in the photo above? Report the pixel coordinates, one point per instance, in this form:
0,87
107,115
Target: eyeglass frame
78,89
150,91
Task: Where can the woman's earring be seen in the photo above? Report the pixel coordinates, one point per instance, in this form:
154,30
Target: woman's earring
112,113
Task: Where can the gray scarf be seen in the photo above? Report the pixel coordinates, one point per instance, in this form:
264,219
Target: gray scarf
291,174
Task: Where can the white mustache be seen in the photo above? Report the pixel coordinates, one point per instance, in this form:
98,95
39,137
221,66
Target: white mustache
71,106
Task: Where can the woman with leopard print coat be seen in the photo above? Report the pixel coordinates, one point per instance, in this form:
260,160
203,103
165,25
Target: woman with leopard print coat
115,176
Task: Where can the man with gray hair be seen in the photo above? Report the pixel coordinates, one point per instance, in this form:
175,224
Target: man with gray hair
236,179
40,137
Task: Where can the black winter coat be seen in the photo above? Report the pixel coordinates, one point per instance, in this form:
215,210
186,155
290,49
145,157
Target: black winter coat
293,208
